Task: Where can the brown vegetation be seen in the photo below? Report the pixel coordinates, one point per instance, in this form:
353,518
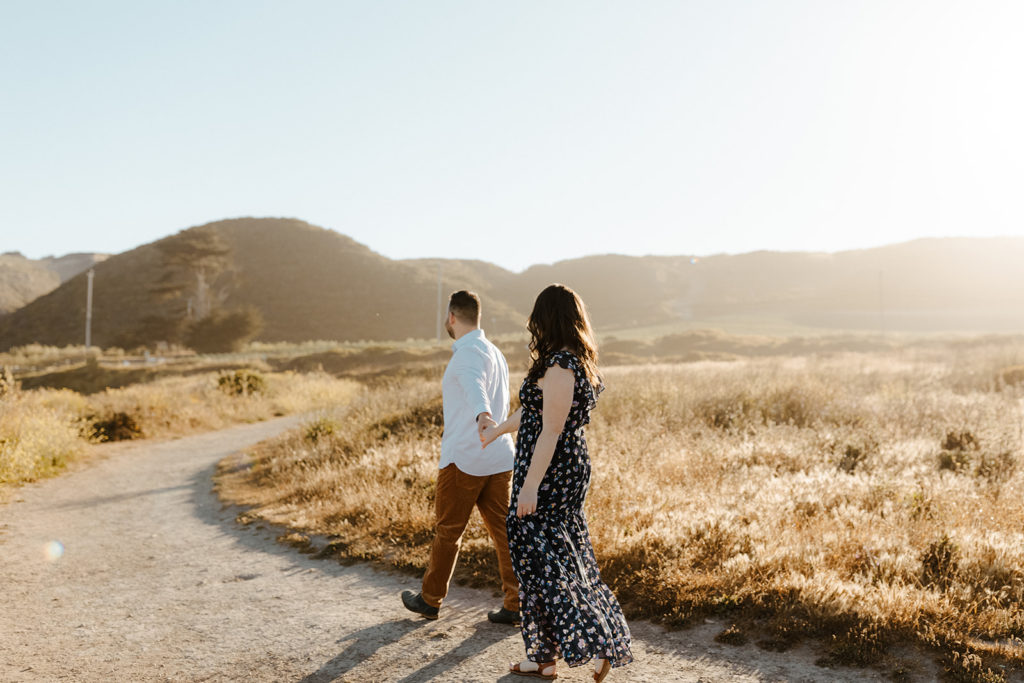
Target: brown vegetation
42,430
801,497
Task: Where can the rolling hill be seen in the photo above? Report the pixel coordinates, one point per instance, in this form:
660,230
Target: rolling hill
23,280
306,281
312,283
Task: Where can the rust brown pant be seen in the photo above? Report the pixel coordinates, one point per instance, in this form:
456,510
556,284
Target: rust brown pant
457,494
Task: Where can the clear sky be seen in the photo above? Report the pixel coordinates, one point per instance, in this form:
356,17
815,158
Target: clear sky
514,132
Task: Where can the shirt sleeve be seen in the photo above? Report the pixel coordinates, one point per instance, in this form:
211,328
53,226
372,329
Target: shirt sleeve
470,374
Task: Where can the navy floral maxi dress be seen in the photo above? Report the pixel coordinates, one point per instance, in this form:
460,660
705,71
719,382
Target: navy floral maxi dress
567,610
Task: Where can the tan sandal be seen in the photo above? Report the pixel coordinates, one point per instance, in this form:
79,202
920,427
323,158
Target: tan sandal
539,673
599,675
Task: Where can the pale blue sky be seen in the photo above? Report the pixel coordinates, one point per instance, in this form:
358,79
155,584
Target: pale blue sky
513,132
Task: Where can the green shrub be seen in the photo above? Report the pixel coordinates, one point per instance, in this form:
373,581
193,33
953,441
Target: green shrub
242,383
321,428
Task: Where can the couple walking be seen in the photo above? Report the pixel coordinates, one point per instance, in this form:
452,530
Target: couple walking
548,570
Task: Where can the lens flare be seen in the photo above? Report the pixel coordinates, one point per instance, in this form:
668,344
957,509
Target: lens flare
53,550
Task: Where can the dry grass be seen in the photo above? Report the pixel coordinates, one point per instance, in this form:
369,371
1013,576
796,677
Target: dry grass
180,405
41,430
859,499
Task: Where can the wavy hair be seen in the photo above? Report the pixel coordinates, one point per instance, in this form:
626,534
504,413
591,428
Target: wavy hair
559,321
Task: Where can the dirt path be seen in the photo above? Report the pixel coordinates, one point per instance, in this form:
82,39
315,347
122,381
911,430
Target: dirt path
158,583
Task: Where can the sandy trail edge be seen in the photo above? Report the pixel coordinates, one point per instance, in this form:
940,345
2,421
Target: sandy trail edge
158,583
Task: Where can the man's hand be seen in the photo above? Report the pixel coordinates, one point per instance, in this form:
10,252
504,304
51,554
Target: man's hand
483,421
488,434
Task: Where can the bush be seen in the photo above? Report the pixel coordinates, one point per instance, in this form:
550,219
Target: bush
960,441
957,451
321,428
242,383
119,426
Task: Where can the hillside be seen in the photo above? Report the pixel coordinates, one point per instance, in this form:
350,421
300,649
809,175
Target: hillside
928,285
313,283
23,280
307,282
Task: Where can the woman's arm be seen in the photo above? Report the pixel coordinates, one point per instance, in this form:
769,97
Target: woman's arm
489,434
558,389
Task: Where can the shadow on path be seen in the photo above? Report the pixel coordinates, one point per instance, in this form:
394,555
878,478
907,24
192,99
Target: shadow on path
118,498
259,536
363,645
483,636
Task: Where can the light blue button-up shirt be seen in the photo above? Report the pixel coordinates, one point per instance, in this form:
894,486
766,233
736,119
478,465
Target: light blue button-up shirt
475,381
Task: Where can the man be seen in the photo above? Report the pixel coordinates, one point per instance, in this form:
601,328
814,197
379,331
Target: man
475,395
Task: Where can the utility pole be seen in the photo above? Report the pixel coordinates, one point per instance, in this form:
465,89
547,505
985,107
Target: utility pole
439,299
88,311
881,305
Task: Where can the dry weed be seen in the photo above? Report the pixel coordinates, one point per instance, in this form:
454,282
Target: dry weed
41,430
807,494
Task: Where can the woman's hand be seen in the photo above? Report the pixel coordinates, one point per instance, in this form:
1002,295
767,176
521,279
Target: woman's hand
527,500
488,435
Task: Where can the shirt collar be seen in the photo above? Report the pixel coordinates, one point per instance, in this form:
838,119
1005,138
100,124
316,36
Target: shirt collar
468,338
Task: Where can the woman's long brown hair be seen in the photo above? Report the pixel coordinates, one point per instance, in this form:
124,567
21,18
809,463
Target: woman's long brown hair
559,321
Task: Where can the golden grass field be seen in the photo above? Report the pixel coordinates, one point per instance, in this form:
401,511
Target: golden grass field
42,430
863,500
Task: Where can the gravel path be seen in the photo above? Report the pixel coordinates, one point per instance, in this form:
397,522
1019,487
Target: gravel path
158,583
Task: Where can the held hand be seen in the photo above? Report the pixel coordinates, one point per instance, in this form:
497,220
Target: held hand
484,420
527,500
488,435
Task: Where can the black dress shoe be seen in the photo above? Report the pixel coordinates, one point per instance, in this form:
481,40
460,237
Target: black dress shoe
503,616
414,602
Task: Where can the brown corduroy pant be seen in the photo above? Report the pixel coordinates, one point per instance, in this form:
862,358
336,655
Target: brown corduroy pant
457,494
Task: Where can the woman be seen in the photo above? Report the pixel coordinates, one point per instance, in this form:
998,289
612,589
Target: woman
567,611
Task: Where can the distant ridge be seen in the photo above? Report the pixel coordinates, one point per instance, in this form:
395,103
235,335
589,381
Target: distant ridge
306,281
23,280
312,283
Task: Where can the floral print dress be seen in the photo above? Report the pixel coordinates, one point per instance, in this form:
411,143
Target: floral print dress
567,610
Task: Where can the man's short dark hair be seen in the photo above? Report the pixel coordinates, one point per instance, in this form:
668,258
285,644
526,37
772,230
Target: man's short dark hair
465,306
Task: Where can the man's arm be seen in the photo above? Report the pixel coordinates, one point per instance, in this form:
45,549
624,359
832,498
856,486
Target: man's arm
470,373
